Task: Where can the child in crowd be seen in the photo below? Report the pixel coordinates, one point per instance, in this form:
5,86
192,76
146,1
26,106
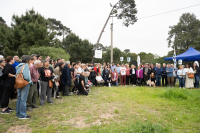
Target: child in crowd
152,80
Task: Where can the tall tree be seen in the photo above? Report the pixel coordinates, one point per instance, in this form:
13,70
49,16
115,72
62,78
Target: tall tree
29,29
127,51
185,33
2,21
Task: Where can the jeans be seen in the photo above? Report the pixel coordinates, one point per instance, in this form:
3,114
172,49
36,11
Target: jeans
21,101
158,80
181,82
196,84
115,83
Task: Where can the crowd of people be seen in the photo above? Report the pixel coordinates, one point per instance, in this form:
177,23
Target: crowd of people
50,77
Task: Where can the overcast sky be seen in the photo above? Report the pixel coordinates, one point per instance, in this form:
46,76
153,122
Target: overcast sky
87,17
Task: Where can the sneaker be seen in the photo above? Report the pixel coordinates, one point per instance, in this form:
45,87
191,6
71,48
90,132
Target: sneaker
11,110
51,102
5,111
24,118
72,93
183,87
58,97
180,87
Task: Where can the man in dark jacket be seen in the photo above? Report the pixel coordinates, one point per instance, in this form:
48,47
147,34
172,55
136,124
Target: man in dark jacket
164,76
146,73
66,78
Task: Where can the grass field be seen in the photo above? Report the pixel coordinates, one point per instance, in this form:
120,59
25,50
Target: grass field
114,110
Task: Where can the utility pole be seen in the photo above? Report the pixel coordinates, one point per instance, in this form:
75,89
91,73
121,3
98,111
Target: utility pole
111,55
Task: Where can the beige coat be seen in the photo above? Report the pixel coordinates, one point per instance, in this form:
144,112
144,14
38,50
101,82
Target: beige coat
57,72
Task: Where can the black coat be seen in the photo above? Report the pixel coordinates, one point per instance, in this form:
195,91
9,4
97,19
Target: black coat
105,75
148,72
131,72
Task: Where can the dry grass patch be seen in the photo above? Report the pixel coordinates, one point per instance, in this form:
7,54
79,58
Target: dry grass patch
19,129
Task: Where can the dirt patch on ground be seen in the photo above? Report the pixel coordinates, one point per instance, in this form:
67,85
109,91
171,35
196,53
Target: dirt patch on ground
19,129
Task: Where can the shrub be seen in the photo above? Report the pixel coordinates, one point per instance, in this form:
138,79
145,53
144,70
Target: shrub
177,94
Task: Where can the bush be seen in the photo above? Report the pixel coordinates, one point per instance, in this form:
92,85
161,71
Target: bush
54,53
173,93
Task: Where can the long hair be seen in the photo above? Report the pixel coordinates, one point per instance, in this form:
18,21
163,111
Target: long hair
60,64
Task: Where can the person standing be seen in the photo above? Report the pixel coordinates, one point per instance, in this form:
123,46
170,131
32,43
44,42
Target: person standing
170,76
119,75
181,76
16,62
164,76
196,74
128,75
115,77
146,74
22,93
2,65
139,74
58,72
123,75
174,73
33,94
188,81
113,67
66,78
133,74
158,71
8,85
105,75
46,73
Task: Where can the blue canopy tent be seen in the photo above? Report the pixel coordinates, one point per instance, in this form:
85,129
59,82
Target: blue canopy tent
190,55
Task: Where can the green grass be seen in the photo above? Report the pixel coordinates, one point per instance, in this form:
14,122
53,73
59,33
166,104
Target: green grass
115,110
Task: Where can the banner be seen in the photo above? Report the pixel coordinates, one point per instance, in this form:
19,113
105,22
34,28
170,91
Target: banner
98,54
121,58
138,60
180,62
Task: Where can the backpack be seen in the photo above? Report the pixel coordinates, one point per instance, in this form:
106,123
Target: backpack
19,81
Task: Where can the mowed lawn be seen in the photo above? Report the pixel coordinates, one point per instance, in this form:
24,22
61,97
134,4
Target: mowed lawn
114,110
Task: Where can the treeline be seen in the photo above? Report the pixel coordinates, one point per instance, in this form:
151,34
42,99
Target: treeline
32,33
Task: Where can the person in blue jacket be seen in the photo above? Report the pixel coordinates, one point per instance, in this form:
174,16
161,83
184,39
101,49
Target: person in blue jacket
66,78
158,71
170,76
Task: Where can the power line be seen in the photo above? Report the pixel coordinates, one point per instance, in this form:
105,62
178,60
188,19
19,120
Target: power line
164,12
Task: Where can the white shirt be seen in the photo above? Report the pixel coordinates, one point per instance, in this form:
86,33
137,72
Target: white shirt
123,71
189,70
79,70
133,71
115,76
99,78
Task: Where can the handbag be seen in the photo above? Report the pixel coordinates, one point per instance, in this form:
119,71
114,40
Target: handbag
50,84
20,82
190,75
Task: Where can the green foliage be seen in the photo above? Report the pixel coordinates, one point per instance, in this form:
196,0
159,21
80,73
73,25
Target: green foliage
125,9
185,33
175,94
54,53
2,20
78,49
